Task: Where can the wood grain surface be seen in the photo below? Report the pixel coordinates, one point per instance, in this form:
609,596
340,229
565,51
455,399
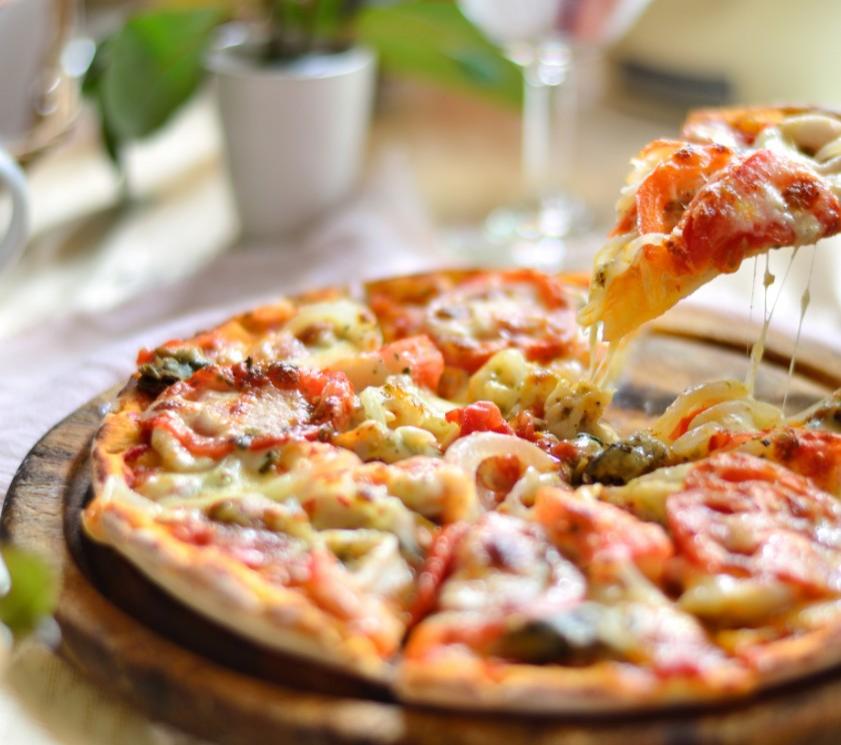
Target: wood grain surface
177,667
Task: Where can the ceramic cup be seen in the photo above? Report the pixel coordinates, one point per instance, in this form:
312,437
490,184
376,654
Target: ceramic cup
31,36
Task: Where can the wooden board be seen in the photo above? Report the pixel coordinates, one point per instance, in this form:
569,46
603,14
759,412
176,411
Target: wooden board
177,667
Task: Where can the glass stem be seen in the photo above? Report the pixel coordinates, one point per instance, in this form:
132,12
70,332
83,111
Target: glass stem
549,108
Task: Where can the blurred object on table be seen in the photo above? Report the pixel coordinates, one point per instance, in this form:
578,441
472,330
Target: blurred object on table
546,38
295,87
708,52
40,66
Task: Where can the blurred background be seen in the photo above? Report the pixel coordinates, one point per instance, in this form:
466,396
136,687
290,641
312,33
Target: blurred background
443,146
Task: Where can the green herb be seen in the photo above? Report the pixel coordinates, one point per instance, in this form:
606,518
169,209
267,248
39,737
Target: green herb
269,462
28,590
168,367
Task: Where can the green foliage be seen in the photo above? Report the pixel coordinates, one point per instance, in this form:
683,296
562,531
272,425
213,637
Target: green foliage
150,67
28,591
143,73
433,40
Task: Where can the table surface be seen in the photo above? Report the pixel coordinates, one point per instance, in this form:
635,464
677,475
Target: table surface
91,251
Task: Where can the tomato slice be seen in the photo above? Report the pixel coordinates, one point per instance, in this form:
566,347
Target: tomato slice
756,203
667,191
220,409
417,356
498,310
437,566
600,536
741,515
482,416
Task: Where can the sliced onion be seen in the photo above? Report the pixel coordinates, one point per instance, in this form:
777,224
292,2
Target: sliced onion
527,485
693,400
471,451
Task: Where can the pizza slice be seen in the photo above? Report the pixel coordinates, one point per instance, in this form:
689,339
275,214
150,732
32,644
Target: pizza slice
223,488
557,612
745,182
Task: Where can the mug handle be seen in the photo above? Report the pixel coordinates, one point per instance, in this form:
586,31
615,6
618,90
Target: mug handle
13,242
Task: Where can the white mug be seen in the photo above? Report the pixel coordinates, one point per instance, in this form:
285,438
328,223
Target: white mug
32,33
13,242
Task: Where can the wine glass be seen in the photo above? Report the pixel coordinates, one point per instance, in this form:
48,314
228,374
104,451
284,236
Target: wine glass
540,37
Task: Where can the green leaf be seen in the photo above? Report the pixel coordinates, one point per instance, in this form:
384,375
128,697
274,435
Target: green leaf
435,41
151,67
29,591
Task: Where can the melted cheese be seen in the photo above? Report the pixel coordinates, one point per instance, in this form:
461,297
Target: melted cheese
333,330
731,600
398,420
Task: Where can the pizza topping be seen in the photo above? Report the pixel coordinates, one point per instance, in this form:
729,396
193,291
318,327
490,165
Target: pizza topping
246,407
759,202
416,356
600,537
470,452
811,453
746,517
667,191
823,416
428,486
625,460
483,416
500,310
168,366
660,637
279,557
399,420
569,638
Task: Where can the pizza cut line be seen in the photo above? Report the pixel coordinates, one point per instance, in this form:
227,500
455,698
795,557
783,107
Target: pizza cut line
419,483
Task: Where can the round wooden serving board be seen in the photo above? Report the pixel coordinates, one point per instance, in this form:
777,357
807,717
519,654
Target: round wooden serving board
177,667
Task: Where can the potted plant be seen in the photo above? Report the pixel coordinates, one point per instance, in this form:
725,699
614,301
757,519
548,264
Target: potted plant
295,84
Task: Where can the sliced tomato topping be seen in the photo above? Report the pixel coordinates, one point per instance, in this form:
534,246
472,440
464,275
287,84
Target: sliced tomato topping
417,356
498,310
482,416
220,409
439,563
667,191
737,215
741,515
278,557
600,536
815,454
811,453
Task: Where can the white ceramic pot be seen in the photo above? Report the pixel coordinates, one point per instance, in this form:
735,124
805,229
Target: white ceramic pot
294,134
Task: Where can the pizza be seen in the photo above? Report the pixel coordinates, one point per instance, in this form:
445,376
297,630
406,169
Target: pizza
417,481
738,183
